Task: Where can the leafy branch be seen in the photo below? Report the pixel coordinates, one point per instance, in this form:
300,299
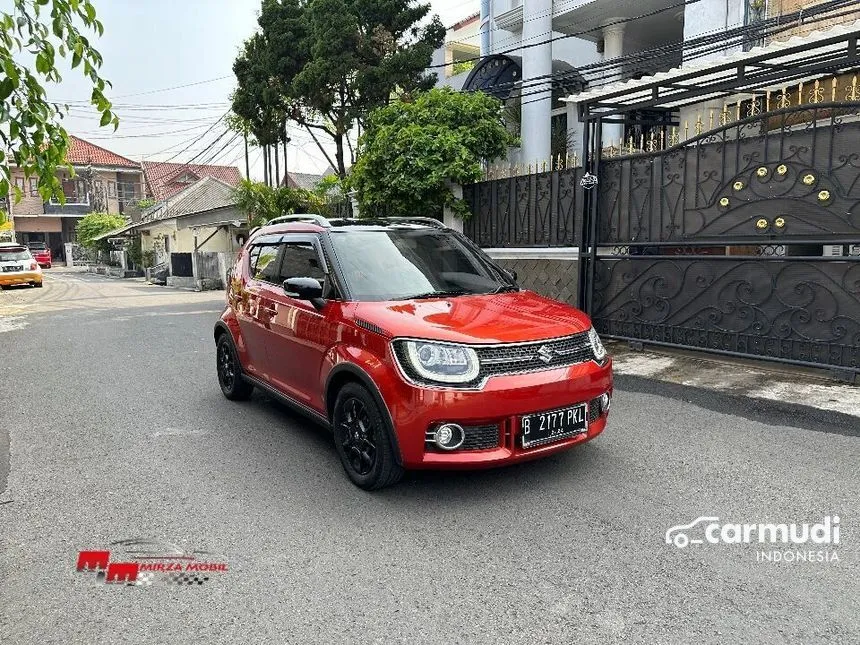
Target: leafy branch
32,137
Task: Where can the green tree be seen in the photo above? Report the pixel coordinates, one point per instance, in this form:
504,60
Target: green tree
323,64
412,153
96,224
263,203
31,135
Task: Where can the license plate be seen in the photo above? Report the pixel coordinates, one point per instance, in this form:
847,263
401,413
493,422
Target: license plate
555,425
9,269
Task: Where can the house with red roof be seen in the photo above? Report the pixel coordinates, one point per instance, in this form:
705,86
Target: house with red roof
163,180
103,181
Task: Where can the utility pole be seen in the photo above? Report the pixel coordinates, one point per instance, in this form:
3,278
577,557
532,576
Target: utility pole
266,165
286,169
247,163
277,180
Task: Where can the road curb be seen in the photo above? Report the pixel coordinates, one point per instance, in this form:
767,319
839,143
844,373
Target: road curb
767,411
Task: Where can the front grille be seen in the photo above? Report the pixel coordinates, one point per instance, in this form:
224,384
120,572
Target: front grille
509,359
480,437
497,360
476,438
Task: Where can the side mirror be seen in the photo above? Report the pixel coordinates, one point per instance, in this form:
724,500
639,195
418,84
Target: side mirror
305,289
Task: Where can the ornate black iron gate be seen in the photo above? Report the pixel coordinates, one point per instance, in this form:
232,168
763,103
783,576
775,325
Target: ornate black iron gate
744,240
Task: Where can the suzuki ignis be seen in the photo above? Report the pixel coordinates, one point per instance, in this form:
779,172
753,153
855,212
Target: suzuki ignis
411,344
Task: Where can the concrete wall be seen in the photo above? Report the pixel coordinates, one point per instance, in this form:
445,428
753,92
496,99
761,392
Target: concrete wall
552,272
26,224
29,204
556,279
707,16
220,242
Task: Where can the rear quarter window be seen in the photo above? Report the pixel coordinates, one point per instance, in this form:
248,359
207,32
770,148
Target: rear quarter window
10,254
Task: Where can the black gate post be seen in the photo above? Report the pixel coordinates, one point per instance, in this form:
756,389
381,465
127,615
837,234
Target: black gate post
582,283
595,213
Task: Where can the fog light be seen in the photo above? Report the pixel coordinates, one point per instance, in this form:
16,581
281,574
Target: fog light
605,401
449,436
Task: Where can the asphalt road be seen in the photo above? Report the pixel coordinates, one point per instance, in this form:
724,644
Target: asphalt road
117,429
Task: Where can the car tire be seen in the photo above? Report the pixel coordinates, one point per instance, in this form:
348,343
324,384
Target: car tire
38,285
229,370
362,439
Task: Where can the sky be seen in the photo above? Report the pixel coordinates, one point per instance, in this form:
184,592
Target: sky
170,63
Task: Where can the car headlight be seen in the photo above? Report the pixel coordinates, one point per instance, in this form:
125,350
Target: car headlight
596,346
442,362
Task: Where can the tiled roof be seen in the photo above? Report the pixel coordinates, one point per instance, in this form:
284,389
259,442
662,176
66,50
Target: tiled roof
84,153
164,179
206,194
305,180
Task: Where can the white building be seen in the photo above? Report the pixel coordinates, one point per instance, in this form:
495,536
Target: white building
534,53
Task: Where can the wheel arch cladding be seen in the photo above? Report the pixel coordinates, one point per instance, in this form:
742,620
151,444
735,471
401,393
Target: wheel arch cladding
220,329
344,373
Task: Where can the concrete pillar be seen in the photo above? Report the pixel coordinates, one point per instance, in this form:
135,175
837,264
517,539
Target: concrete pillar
537,94
575,130
613,47
449,219
485,27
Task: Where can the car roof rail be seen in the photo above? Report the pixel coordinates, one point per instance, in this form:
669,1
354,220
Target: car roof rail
300,217
417,220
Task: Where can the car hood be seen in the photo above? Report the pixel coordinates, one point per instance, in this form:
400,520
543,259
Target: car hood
501,318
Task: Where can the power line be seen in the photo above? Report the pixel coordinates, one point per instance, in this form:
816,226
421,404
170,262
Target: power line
175,87
209,129
211,158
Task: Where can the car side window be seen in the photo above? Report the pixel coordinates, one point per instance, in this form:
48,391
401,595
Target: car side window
265,266
253,254
301,260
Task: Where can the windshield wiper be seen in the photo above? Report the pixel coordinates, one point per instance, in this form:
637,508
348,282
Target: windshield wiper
505,288
432,294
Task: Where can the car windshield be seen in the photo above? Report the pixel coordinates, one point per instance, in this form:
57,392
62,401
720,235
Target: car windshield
398,264
14,253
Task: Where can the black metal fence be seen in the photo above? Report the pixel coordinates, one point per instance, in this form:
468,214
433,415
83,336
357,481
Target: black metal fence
720,243
525,211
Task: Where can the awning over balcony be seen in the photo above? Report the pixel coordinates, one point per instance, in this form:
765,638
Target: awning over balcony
771,67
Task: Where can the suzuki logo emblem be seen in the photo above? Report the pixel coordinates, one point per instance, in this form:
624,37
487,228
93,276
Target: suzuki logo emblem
545,354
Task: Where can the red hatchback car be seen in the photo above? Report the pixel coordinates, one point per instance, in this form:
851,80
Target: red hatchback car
41,253
411,344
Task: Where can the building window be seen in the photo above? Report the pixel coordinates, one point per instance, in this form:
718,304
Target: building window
111,189
76,192
99,188
34,187
125,191
19,183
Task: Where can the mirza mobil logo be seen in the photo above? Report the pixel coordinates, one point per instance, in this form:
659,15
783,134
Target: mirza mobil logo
139,562
778,542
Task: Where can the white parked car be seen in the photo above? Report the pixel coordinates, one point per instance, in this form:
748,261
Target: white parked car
17,266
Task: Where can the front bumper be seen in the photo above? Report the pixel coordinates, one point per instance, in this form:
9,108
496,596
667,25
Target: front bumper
503,401
20,277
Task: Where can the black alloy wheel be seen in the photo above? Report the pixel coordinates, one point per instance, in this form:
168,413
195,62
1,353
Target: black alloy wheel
358,441
233,386
362,439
